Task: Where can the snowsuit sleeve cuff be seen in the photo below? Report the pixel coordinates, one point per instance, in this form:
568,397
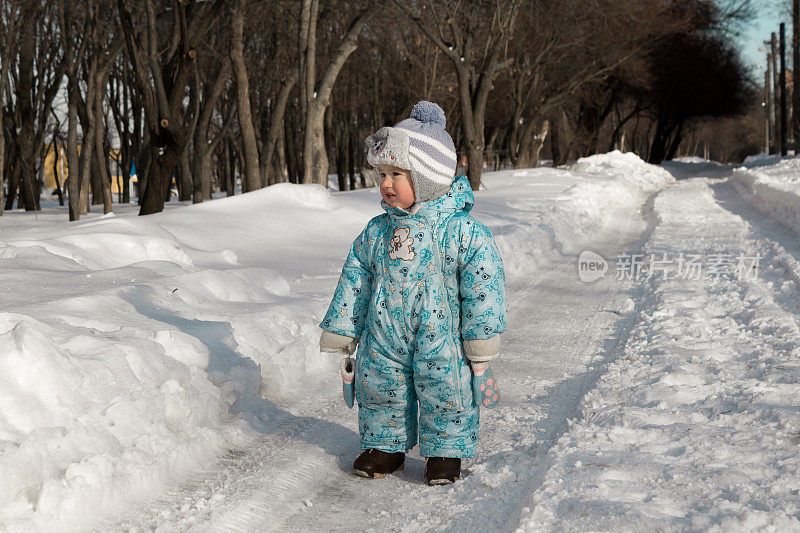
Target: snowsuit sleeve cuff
482,350
335,343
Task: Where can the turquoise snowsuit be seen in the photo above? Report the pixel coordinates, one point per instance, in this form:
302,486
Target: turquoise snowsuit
413,285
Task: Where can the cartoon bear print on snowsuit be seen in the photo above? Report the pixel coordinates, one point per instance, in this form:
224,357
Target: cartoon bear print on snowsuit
412,287
400,246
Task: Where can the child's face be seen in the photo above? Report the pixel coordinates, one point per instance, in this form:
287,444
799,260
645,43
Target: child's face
397,188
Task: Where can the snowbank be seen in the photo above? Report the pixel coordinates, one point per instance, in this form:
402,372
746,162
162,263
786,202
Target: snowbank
134,350
537,213
773,186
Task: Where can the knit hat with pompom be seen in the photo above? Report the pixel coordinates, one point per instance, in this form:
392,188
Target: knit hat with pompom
419,144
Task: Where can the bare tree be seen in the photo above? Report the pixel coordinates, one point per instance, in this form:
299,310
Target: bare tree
164,70
315,97
71,30
9,29
204,145
36,71
252,180
473,36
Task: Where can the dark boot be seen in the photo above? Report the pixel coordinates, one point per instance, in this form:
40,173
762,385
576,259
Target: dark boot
375,463
442,470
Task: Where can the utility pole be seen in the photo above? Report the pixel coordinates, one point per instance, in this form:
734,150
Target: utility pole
795,67
776,92
770,101
767,103
783,90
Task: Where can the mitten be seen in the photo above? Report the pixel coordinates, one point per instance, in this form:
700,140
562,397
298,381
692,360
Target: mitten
335,343
484,387
348,368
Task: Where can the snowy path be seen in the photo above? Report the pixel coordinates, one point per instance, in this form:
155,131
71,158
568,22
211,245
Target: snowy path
696,425
562,333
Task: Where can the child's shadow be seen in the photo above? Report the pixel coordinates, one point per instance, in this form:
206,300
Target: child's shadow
226,363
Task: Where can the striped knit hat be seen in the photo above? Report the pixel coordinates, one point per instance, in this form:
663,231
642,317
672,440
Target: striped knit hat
419,144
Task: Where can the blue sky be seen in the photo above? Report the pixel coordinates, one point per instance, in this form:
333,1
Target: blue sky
770,15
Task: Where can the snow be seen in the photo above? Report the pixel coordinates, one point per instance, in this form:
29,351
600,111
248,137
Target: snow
773,185
696,425
164,371
135,349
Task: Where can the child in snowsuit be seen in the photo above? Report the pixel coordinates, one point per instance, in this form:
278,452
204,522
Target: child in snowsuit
422,294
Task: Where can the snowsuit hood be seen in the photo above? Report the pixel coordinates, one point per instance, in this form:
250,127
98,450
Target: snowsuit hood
458,198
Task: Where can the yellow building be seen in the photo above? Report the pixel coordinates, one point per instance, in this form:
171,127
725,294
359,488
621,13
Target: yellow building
63,169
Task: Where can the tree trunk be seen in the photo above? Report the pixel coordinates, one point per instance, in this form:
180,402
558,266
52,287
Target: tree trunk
538,144
159,179
13,186
251,179
204,148
520,149
143,171
101,156
87,152
201,175
276,125
291,153
88,146
54,146
73,172
126,184
317,99
659,147
230,169
555,141
351,156
29,188
163,75
96,179
677,136
281,174
340,155
185,177
315,156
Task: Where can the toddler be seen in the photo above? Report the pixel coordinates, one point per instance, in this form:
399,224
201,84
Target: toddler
422,295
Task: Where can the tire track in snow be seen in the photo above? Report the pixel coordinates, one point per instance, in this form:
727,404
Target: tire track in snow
561,416
778,245
251,489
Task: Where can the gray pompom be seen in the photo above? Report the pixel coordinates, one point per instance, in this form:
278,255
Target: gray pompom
425,111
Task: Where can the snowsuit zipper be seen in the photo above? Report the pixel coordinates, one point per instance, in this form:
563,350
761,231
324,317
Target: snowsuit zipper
457,352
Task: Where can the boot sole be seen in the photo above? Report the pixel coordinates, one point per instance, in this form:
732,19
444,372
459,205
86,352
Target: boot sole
377,475
433,482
